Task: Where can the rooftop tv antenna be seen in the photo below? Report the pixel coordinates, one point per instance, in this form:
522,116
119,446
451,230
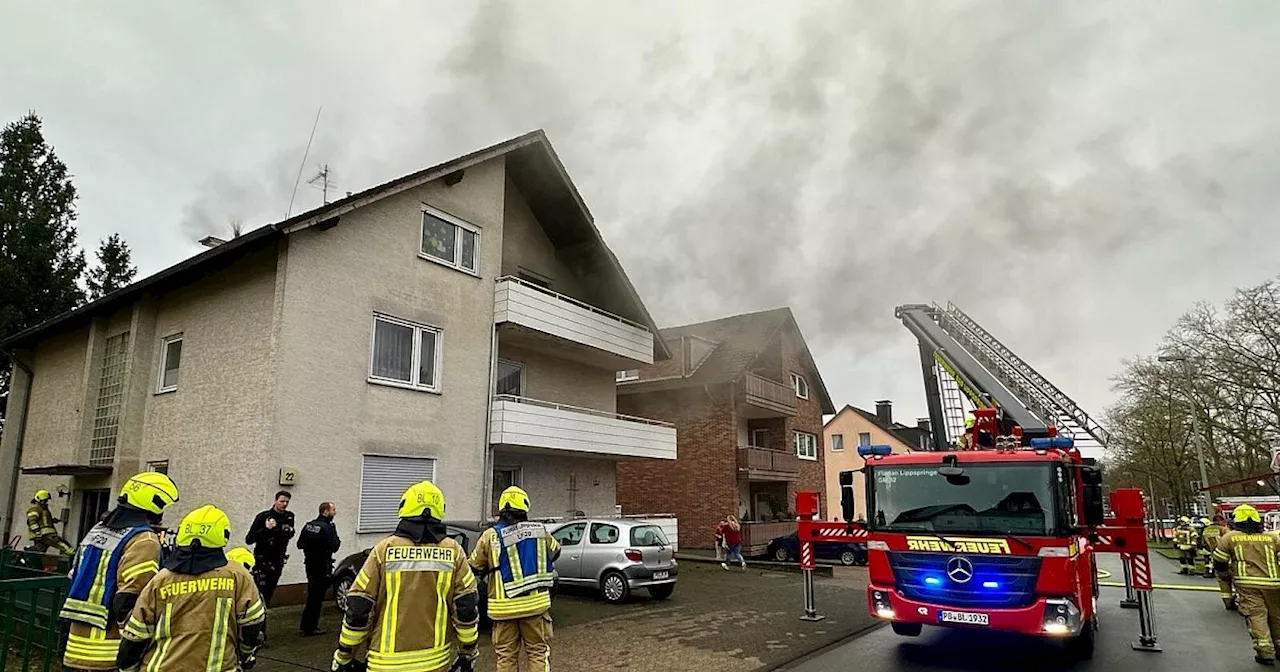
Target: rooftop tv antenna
321,180
297,179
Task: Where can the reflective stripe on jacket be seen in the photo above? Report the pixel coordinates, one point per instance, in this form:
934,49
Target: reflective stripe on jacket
40,522
98,571
1251,558
521,559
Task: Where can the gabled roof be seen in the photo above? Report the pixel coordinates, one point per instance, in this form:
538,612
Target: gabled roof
739,341
891,430
532,164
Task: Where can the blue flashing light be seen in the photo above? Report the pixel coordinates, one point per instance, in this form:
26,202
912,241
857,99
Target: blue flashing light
990,584
1053,442
933,581
877,449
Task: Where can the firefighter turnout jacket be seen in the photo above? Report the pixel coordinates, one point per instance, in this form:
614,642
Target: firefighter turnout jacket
115,561
200,613
414,604
1185,538
40,522
519,559
1250,558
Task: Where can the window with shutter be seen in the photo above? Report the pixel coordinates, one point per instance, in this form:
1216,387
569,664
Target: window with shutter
383,479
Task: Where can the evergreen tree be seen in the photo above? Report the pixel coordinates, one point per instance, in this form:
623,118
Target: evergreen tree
114,269
40,262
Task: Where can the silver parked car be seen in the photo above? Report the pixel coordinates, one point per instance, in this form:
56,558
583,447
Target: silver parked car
617,556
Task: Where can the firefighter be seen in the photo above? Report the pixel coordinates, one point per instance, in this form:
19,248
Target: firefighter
966,438
40,522
1185,542
414,602
521,554
201,611
243,556
1212,535
1248,555
1199,555
99,600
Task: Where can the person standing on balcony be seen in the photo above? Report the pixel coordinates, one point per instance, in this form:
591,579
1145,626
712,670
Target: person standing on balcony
732,533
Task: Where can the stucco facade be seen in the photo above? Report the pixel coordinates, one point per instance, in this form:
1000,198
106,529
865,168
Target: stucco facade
851,424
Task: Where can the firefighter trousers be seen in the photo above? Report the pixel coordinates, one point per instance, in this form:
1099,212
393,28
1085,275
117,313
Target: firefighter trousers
1187,558
1225,591
532,635
1261,610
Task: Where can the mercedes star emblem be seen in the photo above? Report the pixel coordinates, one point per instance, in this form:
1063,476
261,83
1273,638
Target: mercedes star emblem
959,569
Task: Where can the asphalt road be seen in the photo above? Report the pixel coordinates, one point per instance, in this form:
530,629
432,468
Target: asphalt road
1195,632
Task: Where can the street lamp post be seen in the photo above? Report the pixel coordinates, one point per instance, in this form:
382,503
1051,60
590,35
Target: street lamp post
1205,500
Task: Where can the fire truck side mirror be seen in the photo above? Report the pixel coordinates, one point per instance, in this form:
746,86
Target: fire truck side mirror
1091,479
847,511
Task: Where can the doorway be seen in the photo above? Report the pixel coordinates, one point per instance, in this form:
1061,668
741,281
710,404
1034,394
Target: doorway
93,505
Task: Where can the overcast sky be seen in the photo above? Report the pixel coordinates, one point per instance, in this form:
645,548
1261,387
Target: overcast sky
1074,175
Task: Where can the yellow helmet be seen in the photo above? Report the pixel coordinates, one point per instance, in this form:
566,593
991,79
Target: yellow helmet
968,423
43,496
241,555
422,498
207,525
1184,520
1246,514
514,498
1206,522
150,491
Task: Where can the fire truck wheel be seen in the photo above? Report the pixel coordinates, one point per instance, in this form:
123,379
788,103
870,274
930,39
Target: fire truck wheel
907,629
1081,647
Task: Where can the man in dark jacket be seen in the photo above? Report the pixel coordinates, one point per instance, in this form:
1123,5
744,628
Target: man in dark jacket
318,542
269,535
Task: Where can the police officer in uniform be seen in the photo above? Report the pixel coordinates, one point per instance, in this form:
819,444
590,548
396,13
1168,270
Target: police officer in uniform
99,600
269,535
1248,555
201,612
519,556
318,542
40,524
414,602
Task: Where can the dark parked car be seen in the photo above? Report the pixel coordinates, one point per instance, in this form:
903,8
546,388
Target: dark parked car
466,533
785,549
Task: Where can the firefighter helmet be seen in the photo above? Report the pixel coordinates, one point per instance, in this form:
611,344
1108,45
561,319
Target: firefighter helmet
514,498
968,423
150,491
1246,514
42,496
241,555
207,525
421,499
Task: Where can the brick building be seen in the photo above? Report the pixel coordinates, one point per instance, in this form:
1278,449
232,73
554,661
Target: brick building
747,401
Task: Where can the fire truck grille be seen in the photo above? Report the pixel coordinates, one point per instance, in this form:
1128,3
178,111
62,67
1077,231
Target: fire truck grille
996,582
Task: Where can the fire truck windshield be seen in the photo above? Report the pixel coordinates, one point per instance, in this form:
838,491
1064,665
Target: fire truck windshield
992,498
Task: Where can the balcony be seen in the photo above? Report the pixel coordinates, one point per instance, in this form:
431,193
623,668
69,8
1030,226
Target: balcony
523,423
533,316
756,536
766,464
764,398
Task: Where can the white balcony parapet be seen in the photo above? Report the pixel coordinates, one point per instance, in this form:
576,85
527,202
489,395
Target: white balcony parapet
528,305
520,421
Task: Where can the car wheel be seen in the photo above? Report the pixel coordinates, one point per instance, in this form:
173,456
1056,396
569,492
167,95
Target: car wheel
781,554
614,587
907,629
848,558
662,591
340,588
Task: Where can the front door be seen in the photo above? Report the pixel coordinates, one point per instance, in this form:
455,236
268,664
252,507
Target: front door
93,505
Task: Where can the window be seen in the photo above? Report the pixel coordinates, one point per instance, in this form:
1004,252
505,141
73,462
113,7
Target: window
800,385
383,480
405,354
159,466
603,534
837,442
629,374
806,446
864,438
448,240
503,478
106,414
760,438
648,535
170,360
510,378
570,535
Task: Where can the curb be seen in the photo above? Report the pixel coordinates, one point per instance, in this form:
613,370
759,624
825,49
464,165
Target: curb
810,655
820,570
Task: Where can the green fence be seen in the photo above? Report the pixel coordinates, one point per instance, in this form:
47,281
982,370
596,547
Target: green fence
32,588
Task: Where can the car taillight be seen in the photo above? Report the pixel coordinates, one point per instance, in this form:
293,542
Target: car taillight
633,555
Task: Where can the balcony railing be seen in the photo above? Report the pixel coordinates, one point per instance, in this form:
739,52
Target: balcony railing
768,464
521,421
542,310
768,395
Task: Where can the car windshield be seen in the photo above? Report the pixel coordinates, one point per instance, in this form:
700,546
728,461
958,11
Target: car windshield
648,535
994,498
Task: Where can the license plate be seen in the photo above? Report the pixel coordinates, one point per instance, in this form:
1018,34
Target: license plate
658,576
965,617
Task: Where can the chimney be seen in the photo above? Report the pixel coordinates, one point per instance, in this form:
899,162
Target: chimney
925,424
884,411
211,241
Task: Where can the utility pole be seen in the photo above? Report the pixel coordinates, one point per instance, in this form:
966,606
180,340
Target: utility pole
1205,498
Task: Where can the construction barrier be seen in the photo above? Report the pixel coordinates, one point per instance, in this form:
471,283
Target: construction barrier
32,589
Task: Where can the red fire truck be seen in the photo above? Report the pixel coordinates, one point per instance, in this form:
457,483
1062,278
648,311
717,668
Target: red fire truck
1002,535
